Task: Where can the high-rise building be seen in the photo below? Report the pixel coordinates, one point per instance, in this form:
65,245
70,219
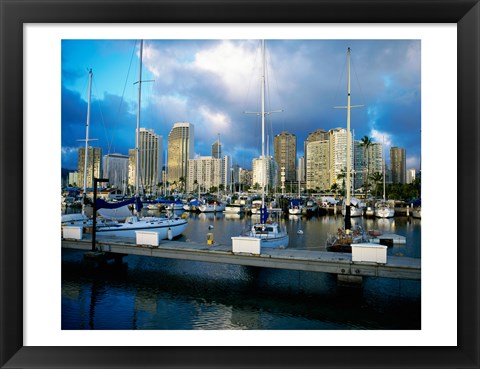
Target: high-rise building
151,158
411,175
180,150
245,178
285,154
115,168
73,179
317,175
301,169
338,155
132,164
318,135
264,171
398,164
217,149
359,165
204,173
94,169
227,171
150,148
375,158
236,170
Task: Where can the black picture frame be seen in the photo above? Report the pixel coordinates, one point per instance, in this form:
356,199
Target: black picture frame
14,14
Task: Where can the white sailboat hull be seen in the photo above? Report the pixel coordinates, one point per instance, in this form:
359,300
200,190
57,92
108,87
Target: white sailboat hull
279,241
166,228
354,211
233,209
417,213
295,211
384,212
173,207
370,212
211,208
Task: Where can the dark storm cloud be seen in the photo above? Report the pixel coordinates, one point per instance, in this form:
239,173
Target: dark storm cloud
212,83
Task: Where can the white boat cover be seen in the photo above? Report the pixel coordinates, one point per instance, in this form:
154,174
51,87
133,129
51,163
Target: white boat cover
115,214
329,200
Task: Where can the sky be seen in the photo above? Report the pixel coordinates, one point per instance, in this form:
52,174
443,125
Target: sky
213,83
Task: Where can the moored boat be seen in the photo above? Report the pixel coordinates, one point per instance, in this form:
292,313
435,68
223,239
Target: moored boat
356,207
383,209
234,208
167,228
296,206
266,232
342,241
212,207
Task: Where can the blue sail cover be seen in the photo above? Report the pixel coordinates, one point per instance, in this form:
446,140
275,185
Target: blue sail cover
417,203
263,214
295,202
102,204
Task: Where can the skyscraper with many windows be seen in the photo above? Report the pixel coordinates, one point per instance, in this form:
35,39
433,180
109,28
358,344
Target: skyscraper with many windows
204,173
317,176
318,135
285,154
398,164
180,149
338,155
94,168
217,149
264,172
150,161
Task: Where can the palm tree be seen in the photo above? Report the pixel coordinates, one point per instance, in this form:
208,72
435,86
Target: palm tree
334,189
377,178
182,183
366,143
341,176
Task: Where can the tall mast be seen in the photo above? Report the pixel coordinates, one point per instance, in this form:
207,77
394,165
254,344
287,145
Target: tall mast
383,149
349,157
85,171
349,164
219,167
264,164
137,136
263,113
263,98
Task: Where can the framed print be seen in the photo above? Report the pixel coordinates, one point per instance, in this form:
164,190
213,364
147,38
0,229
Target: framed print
29,335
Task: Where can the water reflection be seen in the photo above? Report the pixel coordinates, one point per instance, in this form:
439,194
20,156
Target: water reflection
150,293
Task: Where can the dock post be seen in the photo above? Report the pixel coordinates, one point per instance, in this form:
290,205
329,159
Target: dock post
408,210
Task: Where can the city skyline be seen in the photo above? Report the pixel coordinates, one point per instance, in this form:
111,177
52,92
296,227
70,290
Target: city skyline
211,83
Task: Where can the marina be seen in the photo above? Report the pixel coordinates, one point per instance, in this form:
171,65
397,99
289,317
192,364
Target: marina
283,242
187,283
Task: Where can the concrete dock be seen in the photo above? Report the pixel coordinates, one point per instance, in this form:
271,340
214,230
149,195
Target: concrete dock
304,260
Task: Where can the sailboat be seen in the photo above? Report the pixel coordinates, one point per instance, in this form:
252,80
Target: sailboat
383,208
356,207
269,232
296,206
165,227
342,241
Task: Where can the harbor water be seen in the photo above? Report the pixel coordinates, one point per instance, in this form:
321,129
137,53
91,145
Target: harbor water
169,294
